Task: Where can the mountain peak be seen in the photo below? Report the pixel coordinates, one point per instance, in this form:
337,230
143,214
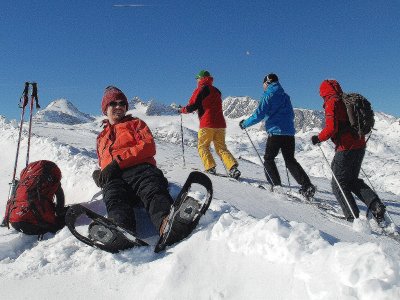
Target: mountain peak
62,111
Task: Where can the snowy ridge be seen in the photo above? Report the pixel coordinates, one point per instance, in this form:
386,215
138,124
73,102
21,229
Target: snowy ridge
62,111
307,120
151,107
237,107
251,244
172,134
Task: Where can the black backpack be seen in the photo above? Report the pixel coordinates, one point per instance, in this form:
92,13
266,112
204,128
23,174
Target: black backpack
360,113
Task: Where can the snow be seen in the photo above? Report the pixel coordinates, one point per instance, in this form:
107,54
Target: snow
251,244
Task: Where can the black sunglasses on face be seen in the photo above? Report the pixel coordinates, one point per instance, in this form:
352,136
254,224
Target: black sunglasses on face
117,103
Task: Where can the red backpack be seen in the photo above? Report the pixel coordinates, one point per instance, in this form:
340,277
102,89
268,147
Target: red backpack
32,209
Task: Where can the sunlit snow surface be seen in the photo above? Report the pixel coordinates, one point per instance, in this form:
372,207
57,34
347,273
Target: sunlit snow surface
251,244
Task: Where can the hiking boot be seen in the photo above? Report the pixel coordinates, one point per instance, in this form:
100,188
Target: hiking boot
378,210
234,173
211,171
307,191
180,222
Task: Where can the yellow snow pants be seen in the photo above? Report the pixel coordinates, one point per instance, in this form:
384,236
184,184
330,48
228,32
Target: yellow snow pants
217,136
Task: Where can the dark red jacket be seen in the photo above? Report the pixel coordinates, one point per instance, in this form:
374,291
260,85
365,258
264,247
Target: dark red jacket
129,142
206,99
336,120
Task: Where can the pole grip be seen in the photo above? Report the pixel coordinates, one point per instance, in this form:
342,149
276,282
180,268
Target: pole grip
23,101
35,94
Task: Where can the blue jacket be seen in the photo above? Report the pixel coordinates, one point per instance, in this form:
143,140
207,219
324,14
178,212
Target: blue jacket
277,111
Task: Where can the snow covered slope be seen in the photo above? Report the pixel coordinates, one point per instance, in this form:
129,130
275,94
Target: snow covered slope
251,244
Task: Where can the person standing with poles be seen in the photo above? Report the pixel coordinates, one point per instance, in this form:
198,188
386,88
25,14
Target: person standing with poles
206,100
277,111
349,154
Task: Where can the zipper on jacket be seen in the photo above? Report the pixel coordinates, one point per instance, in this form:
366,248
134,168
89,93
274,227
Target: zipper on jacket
113,134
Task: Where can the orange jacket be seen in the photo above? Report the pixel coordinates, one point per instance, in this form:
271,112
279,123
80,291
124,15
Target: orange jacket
129,142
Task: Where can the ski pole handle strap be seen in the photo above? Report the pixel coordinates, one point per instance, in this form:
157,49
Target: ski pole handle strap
35,94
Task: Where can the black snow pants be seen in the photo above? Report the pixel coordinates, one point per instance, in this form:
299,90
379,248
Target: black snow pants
141,185
286,144
346,166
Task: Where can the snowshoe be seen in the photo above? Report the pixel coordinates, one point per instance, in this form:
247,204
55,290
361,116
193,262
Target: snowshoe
378,209
104,234
234,173
307,191
185,212
211,171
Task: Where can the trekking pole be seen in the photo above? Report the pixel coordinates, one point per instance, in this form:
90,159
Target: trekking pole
386,212
337,182
34,96
288,180
262,163
23,101
183,147
365,175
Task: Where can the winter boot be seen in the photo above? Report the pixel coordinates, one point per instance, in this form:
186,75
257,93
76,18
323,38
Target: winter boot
234,172
378,210
211,171
307,191
180,222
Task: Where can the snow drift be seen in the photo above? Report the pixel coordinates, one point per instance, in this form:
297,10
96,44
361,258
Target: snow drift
251,244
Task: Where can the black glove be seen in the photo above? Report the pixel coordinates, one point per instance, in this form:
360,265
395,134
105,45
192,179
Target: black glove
315,140
241,124
178,109
111,171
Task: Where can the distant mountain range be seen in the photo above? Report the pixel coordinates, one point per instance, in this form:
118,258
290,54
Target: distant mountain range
64,112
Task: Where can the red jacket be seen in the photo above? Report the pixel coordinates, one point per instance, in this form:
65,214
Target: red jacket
336,120
206,99
129,142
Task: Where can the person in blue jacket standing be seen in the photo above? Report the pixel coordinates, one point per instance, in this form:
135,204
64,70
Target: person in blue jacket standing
277,111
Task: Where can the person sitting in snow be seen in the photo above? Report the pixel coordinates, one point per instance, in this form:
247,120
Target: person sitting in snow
206,100
349,154
277,111
129,174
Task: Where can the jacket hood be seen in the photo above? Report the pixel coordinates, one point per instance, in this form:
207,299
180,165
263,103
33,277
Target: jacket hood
205,81
329,88
275,87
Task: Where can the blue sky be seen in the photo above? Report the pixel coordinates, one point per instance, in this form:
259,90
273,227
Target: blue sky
74,49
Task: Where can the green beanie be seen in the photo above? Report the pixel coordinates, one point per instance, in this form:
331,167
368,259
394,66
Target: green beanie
203,73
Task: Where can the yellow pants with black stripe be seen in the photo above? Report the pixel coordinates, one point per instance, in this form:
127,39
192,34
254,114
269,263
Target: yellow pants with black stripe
206,136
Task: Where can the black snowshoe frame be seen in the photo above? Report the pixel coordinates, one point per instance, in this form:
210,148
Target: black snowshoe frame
113,230
103,230
186,209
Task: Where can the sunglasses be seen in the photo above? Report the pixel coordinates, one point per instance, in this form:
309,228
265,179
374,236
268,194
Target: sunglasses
117,103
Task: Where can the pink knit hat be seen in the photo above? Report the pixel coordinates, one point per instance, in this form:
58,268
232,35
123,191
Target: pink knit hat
112,93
